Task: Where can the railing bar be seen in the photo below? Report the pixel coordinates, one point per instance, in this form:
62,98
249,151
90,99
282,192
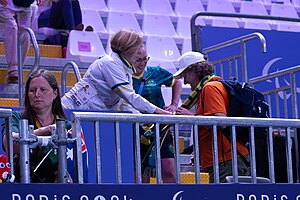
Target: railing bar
97,152
138,165
157,154
253,154
234,154
118,152
215,154
289,166
177,153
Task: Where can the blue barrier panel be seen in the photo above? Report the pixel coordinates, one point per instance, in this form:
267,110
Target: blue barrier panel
107,144
150,192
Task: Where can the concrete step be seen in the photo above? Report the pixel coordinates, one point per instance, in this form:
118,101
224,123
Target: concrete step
70,79
49,51
9,102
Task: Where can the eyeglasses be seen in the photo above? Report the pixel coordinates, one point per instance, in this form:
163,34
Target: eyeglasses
139,60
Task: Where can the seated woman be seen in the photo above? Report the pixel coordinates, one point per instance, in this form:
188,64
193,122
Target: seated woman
42,107
59,14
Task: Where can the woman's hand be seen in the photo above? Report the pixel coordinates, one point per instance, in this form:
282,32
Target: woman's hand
161,111
172,108
184,111
45,131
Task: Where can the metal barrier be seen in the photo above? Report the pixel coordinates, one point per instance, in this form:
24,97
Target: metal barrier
242,41
175,120
196,37
7,115
28,140
20,61
64,74
280,92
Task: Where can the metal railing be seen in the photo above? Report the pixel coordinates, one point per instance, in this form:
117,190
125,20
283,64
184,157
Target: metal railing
174,120
242,41
7,115
196,38
20,61
196,30
64,75
279,93
28,140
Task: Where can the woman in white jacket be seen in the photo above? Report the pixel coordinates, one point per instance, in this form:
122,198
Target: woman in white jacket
107,83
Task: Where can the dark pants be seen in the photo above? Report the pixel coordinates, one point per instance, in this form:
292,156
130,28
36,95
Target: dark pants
225,169
65,14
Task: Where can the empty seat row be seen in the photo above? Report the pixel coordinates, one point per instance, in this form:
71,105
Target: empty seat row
87,47
181,7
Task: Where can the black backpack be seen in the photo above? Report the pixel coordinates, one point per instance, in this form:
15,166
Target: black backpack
248,102
23,3
245,101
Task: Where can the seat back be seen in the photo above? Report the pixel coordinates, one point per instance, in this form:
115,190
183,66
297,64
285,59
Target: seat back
158,25
92,18
161,7
163,48
117,20
126,6
98,5
188,8
84,46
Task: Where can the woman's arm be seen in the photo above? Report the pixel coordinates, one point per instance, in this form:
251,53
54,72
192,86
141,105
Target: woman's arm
43,131
176,92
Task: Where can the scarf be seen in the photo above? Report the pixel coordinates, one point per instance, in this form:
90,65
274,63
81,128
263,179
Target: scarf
194,96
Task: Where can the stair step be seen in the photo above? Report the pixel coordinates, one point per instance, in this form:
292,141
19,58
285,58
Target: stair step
70,79
49,51
9,102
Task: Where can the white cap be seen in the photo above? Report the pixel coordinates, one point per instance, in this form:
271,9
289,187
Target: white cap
187,59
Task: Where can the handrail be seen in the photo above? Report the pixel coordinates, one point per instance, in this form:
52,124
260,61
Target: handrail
195,34
78,117
64,75
7,115
241,39
20,61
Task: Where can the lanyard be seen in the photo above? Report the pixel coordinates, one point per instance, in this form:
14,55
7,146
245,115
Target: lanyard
142,83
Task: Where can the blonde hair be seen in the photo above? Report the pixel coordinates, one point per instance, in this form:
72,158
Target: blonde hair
125,42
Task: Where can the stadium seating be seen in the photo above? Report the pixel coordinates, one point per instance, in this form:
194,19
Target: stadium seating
221,6
254,8
128,20
162,7
183,27
92,18
98,5
188,7
126,6
285,10
84,46
158,25
162,48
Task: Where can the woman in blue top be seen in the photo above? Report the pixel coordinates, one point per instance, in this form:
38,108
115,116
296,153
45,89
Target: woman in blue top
147,81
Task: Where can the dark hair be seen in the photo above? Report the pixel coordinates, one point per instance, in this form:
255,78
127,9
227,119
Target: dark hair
57,109
202,69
